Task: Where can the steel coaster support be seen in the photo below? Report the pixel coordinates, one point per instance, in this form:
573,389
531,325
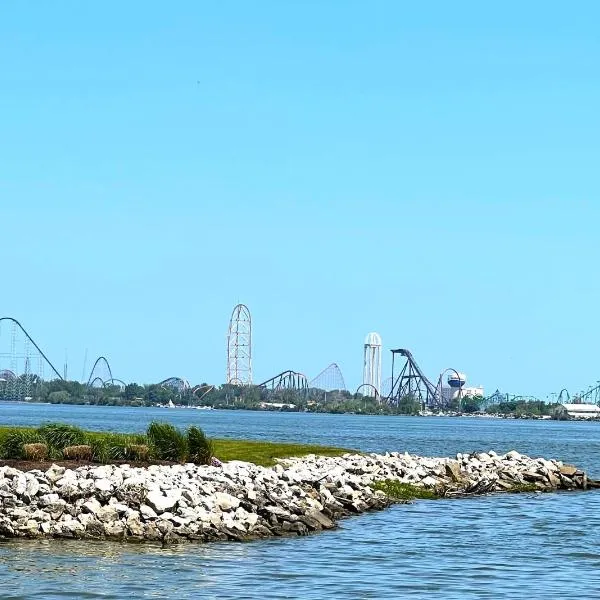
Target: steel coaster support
412,383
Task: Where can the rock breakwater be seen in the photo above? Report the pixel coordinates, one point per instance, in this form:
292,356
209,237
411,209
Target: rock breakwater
240,501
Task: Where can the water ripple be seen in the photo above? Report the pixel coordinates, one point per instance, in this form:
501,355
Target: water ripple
469,548
517,546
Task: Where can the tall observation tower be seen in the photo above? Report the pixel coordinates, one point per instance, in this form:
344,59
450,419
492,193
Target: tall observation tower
372,364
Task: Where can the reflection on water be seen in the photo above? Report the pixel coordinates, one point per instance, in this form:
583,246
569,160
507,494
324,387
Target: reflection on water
513,546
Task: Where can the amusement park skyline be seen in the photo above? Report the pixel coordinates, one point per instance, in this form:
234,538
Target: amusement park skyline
13,333
427,174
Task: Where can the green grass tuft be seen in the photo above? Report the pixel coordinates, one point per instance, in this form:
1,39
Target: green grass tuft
167,442
13,440
60,435
114,446
99,445
404,491
265,453
523,488
199,446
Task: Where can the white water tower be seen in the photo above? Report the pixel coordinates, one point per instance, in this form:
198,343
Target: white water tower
372,364
456,380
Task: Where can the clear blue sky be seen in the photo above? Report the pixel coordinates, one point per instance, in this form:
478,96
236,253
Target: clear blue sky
425,170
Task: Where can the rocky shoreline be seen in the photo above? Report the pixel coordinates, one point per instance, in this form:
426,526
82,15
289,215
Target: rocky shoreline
243,501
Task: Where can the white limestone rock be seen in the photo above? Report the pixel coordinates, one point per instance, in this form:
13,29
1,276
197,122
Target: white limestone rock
147,512
92,506
54,473
48,499
226,501
103,485
163,502
107,514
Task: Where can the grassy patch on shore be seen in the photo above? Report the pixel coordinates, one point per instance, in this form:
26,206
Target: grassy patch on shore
170,445
60,441
265,453
404,491
519,488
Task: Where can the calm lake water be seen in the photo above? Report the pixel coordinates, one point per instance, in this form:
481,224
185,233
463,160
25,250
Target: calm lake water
521,546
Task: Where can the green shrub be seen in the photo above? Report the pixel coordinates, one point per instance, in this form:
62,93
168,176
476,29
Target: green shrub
200,447
167,442
114,446
99,447
60,435
14,440
117,446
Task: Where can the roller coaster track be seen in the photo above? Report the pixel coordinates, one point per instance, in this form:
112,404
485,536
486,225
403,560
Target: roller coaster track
524,399
496,398
286,380
370,390
591,395
239,347
115,382
200,391
94,377
176,383
499,397
7,375
329,379
30,339
98,382
411,382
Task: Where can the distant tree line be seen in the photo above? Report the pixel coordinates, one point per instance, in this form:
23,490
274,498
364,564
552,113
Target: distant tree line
522,408
251,397
225,396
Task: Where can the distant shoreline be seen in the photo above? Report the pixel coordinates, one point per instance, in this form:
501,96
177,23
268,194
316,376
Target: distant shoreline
265,410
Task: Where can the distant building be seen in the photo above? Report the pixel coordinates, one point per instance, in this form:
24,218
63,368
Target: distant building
276,405
471,392
451,393
577,411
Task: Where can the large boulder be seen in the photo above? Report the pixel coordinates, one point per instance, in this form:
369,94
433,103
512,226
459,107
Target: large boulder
162,502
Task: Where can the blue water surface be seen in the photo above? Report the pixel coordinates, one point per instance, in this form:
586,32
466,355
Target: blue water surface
498,546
